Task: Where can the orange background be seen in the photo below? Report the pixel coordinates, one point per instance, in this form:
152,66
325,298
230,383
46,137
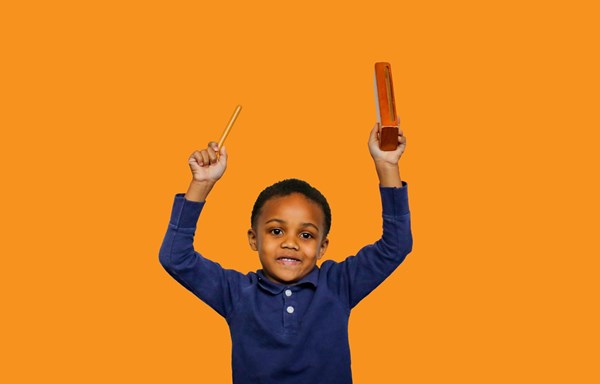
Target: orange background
102,102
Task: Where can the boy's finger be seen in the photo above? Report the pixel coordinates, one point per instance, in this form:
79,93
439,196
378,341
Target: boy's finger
214,145
212,155
195,158
205,158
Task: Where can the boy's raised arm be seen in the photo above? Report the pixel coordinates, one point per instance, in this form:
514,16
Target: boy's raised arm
386,162
213,284
207,168
360,274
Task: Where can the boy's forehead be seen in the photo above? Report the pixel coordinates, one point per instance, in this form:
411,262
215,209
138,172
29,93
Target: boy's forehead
293,205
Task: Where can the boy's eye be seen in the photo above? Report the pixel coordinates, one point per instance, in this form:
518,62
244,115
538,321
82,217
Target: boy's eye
276,231
306,235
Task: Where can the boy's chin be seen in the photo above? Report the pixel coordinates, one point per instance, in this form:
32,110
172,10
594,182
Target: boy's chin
285,278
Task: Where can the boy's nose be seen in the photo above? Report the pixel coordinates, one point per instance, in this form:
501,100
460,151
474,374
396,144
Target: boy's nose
290,242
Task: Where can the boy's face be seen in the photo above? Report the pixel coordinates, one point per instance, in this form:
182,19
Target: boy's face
288,236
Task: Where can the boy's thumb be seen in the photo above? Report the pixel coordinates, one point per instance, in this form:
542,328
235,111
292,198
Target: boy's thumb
223,153
373,135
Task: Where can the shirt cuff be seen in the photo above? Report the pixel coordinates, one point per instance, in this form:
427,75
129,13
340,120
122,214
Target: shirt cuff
394,200
185,213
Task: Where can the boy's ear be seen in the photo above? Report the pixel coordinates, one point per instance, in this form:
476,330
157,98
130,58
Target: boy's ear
323,248
252,239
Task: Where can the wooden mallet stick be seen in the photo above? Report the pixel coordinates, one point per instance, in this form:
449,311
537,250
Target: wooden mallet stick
229,125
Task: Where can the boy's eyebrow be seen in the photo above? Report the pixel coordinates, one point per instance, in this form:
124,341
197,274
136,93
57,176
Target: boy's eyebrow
301,224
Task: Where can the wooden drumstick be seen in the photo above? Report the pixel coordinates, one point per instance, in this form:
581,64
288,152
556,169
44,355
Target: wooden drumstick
229,125
387,118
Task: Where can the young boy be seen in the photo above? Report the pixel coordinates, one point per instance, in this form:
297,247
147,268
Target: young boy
289,320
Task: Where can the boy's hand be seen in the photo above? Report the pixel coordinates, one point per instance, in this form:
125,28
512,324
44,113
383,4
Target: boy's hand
385,157
386,162
206,169
206,166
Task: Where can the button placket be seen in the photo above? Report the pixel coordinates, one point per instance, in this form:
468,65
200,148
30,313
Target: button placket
290,315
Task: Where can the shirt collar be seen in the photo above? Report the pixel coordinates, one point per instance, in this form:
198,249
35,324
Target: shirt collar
311,279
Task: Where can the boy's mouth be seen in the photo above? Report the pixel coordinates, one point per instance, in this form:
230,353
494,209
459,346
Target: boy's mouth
287,260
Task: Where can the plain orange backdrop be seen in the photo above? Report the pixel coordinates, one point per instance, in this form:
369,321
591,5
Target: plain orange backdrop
102,102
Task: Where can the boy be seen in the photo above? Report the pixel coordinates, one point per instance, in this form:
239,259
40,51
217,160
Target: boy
289,320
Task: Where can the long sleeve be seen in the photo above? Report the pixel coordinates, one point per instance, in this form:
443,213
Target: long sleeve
216,286
358,275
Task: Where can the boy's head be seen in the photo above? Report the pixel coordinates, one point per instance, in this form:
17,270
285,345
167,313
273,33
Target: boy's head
289,226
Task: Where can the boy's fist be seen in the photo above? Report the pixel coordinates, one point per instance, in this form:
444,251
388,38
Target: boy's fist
385,157
206,165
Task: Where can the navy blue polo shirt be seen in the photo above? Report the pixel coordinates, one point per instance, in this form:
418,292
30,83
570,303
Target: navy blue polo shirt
288,333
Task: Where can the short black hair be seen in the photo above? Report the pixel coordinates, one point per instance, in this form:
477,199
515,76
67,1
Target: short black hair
287,187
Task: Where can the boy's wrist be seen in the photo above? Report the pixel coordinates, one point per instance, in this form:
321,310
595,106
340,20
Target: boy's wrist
389,174
384,164
199,190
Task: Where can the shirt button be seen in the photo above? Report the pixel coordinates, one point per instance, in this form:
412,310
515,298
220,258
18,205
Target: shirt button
290,309
288,292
